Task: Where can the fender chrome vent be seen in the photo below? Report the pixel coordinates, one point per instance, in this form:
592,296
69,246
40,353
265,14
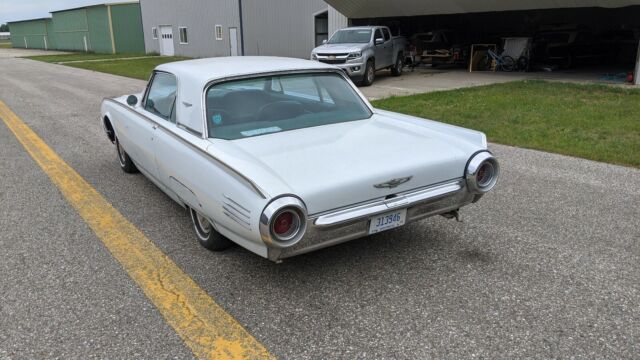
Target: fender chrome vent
237,212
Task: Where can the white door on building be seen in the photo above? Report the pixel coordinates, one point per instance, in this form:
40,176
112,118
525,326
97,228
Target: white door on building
233,41
166,41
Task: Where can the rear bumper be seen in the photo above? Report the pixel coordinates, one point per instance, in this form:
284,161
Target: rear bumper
350,223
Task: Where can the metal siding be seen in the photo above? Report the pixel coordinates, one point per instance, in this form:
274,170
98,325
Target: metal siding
337,21
51,38
127,28
98,24
34,31
280,27
70,28
392,8
199,16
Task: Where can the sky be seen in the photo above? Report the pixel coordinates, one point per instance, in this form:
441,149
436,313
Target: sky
11,10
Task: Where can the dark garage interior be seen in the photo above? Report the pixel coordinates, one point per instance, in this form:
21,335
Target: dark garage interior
600,39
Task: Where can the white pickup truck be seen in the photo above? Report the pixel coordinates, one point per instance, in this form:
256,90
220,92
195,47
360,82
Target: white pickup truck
361,51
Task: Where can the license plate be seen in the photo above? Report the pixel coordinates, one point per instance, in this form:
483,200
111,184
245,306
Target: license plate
387,221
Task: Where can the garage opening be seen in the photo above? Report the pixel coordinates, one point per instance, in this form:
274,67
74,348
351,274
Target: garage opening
599,39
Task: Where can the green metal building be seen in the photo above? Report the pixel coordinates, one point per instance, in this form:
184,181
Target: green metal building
31,34
103,28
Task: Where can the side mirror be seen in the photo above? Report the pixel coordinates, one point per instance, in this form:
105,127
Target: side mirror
324,41
132,100
379,41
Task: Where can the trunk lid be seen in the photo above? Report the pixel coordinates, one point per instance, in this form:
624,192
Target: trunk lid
338,165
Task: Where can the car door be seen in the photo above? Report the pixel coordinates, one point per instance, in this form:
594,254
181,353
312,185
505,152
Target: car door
179,156
379,49
388,47
157,106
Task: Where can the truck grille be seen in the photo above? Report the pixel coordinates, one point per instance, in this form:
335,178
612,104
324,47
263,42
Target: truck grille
336,61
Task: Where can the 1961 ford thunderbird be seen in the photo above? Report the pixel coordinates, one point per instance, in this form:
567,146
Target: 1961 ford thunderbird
286,156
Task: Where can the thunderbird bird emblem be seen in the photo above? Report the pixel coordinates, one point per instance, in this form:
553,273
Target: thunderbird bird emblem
393,183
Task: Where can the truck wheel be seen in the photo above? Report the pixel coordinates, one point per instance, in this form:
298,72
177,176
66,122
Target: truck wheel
126,164
396,70
369,73
208,237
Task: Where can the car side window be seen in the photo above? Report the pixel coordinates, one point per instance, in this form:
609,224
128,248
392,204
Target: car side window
378,35
387,35
161,97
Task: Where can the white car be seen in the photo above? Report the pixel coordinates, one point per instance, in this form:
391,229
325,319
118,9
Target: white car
286,156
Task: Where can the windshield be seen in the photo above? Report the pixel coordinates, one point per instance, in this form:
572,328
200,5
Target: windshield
258,106
359,36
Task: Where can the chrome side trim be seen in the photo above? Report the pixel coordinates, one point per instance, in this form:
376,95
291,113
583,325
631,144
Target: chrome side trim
236,212
253,186
380,206
244,209
230,214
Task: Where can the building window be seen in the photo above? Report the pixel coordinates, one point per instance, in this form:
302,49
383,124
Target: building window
183,35
218,32
154,32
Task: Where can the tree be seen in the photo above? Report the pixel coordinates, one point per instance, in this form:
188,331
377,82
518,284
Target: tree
4,28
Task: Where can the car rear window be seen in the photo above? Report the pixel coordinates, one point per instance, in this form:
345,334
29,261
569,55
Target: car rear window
269,104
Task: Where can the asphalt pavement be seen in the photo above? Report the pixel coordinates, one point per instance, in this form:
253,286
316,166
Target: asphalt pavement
546,266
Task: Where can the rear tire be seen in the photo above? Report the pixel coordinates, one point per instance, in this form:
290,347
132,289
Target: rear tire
369,73
396,70
207,236
126,164
508,63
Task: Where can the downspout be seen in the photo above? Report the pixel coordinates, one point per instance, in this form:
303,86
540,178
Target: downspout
241,28
113,40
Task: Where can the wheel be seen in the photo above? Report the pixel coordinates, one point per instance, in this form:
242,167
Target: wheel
508,63
397,69
369,73
126,164
208,237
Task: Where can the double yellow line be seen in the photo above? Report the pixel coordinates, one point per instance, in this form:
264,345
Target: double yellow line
204,326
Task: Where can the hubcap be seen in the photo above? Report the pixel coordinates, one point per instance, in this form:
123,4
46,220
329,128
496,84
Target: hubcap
204,224
121,153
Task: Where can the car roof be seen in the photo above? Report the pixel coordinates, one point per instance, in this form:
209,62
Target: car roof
194,75
203,71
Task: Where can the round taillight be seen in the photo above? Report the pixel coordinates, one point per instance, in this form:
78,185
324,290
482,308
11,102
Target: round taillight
485,174
286,225
283,223
482,173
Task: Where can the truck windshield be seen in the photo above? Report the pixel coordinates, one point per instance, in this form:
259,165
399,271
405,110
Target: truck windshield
359,36
245,108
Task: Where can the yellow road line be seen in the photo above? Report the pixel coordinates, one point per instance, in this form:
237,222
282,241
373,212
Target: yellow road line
209,331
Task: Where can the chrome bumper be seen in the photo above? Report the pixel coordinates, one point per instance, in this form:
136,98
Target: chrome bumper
350,223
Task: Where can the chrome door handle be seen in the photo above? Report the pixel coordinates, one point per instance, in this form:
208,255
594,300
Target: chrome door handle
154,127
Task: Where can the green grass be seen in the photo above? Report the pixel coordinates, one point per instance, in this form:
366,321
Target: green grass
5,44
135,68
81,57
594,122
